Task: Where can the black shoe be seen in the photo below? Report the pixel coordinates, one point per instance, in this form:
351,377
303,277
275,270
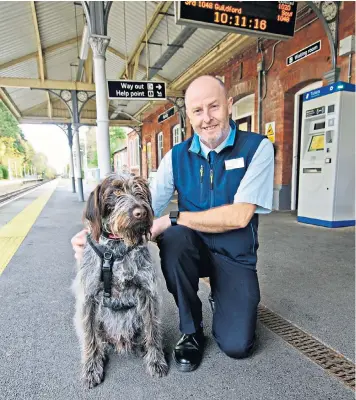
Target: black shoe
189,351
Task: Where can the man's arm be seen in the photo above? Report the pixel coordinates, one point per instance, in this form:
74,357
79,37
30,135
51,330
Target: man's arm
255,194
162,185
256,187
220,219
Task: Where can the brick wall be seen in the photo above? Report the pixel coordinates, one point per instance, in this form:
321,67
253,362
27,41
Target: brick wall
282,82
150,129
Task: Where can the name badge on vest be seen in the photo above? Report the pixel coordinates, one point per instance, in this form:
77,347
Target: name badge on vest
234,163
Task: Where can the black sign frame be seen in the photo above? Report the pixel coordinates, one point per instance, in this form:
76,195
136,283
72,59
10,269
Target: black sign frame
167,114
305,52
142,89
247,22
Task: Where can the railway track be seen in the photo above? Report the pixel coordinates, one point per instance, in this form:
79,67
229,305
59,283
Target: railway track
15,193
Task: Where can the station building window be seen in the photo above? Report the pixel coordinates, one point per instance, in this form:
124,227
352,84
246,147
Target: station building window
159,148
243,113
134,153
177,134
149,158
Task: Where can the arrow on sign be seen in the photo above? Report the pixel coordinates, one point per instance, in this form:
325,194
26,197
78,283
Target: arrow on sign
159,87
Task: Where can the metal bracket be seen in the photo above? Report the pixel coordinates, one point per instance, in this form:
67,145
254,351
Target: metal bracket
180,105
165,13
179,46
153,43
332,75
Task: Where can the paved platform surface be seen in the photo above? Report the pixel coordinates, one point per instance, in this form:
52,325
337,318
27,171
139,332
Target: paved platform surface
306,275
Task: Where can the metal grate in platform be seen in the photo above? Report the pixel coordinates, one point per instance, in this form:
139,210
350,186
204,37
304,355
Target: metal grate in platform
331,361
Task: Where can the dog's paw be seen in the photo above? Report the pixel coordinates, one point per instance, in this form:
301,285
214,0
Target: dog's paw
93,375
157,368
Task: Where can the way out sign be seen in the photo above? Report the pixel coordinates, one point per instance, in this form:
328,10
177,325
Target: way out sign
136,90
270,129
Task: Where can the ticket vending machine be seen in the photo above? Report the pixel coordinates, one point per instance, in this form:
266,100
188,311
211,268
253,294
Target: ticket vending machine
327,157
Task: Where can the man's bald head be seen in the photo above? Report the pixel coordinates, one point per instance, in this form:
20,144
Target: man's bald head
203,80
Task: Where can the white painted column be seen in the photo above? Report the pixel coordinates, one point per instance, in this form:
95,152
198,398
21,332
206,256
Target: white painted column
71,162
71,172
99,45
77,161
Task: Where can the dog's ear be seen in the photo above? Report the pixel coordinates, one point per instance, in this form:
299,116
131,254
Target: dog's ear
92,213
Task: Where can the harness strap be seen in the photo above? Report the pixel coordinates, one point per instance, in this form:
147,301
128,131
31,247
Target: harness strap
107,274
107,261
95,247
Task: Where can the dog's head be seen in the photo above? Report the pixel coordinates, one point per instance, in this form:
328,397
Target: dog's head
121,206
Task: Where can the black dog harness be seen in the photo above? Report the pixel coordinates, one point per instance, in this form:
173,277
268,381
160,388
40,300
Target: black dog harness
107,258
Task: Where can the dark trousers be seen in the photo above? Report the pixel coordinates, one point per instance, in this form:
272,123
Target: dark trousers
184,259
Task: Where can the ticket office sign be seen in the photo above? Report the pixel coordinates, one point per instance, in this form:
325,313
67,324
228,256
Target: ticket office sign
270,19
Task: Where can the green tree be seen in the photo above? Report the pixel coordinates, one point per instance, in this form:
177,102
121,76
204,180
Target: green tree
12,140
40,163
91,148
16,151
117,140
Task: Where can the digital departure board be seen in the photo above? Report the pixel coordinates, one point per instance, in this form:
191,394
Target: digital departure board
271,19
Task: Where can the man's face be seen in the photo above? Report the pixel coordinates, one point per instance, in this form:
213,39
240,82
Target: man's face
208,110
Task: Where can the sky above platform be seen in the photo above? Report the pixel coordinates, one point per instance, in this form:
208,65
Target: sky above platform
50,140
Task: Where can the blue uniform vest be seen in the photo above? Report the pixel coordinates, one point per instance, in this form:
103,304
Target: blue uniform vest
202,186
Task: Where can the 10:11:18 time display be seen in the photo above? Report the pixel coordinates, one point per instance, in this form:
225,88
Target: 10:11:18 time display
241,21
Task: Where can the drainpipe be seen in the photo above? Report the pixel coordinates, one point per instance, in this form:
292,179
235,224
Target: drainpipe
350,68
260,71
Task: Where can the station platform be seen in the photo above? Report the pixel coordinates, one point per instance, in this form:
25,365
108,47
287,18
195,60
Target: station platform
306,276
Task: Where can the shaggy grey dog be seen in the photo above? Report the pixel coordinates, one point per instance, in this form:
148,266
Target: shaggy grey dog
123,313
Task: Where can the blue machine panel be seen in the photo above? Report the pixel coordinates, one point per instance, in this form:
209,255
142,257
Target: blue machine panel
334,87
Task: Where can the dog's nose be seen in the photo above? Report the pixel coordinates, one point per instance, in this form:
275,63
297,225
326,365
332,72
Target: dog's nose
139,213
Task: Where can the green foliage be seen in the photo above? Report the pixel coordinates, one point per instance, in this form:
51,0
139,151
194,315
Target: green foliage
117,140
91,148
50,173
16,150
116,132
4,173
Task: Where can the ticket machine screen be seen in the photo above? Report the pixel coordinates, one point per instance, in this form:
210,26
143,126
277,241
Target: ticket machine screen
316,143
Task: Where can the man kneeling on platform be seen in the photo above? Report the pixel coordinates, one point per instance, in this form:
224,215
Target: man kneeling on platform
224,179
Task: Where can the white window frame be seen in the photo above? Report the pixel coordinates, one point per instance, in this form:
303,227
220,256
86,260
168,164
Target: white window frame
137,152
159,148
235,112
134,153
176,134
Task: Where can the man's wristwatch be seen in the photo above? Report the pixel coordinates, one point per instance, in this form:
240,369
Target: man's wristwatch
173,216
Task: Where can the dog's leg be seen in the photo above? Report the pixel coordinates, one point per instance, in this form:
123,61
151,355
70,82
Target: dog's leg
93,346
154,357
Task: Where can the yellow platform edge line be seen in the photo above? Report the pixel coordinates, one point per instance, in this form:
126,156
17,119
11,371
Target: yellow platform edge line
15,231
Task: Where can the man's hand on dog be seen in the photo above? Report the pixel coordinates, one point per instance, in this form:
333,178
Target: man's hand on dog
78,242
159,226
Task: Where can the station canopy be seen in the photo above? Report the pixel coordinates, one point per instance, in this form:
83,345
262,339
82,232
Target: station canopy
42,43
